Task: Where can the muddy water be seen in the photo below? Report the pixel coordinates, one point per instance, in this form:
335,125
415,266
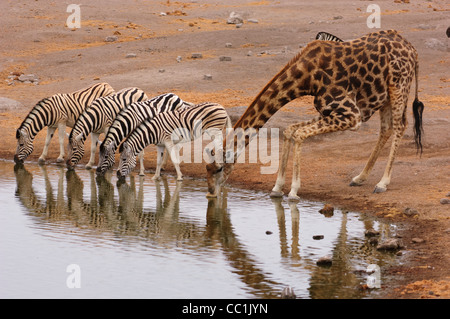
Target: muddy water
72,235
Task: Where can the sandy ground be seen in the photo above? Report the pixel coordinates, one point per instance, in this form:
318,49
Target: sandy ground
35,40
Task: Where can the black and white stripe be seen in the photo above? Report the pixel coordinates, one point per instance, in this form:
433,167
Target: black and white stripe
128,119
325,36
167,129
55,112
96,119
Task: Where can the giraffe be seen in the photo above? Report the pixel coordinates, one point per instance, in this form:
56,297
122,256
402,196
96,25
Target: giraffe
349,81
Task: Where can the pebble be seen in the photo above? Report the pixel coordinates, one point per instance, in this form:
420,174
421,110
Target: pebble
228,45
224,58
444,201
161,70
28,78
410,212
179,58
131,55
389,245
417,240
235,18
268,232
252,20
207,77
325,261
111,38
196,55
327,210
318,237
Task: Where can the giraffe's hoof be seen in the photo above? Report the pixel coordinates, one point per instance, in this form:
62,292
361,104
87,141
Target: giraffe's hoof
41,161
88,167
142,174
274,194
59,160
379,189
353,183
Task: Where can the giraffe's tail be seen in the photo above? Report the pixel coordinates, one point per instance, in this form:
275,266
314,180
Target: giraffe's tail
417,112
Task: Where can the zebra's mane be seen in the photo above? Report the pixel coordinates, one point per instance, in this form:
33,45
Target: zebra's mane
325,36
26,119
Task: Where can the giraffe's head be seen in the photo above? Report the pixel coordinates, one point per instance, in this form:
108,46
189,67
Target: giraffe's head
216,175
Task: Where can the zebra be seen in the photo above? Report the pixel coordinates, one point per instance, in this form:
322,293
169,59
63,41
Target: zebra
128,119
96,119
55,112
168,129
325,36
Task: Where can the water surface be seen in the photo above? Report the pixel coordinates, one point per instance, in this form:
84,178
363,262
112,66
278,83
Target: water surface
146,239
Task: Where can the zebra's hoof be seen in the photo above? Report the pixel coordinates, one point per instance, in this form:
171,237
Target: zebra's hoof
274,194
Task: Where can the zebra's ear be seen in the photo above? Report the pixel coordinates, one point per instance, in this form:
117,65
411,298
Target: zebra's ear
18,133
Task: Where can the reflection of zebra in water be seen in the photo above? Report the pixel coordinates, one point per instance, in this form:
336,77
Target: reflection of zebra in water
325,36
96,119
128,119
167,129
55,112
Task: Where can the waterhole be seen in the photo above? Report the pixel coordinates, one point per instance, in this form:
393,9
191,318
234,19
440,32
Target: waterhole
71,234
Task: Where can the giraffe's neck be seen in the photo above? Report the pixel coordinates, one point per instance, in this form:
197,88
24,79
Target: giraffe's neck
292,81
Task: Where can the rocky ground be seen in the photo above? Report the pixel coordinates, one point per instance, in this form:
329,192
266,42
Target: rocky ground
189,48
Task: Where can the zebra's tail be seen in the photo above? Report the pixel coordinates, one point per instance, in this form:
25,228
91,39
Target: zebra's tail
417,112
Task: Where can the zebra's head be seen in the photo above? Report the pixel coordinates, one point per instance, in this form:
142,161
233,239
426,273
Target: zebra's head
106,156
75,150
127,161
24,145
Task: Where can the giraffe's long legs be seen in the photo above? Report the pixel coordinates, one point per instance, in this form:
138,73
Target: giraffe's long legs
332,123
398,100
277,190
385,133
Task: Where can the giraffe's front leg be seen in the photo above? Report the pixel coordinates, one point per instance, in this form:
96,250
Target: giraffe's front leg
277,190
295,185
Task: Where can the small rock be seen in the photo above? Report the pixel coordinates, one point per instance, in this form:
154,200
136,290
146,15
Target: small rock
238,25
325,261
417,240
224,58
268,232
318,237
179,58
228,45
161,70
196,55
207,77
29,78
389,245
444,201
327,210
410,212
448,194
338,17
234,18
131,55
249,53
288,293
162,14
371,233
252,20
111,38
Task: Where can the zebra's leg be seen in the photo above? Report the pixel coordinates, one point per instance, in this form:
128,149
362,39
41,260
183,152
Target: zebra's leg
94,142
61,135
164,160
175,157
141,163
48,138
159,160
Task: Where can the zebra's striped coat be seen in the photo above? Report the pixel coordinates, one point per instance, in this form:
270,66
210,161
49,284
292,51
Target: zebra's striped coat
96,119
128,119
55,112
168,129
